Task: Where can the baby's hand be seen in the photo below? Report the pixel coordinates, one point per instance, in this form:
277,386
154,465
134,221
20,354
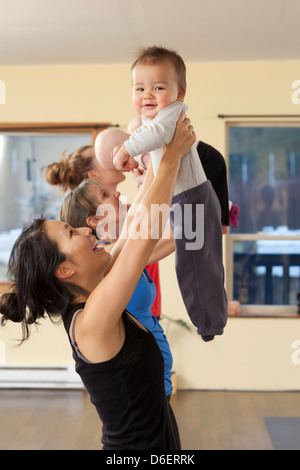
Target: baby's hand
116,150
138,175
122,159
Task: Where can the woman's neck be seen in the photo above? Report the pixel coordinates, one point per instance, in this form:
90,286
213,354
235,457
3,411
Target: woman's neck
79,300
85,291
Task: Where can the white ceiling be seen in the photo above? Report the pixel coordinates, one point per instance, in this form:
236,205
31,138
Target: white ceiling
44,32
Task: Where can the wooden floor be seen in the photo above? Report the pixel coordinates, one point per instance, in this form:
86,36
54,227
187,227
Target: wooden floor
207,420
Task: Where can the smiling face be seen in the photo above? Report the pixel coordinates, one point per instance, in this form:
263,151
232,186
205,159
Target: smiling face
110,213
85,264
108,178
155,86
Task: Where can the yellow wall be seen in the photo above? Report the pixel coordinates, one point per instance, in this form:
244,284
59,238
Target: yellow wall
253,353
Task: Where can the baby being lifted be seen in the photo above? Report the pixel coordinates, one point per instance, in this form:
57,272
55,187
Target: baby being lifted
159,85
158,80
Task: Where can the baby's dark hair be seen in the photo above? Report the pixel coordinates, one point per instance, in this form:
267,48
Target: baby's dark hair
158,54
35,289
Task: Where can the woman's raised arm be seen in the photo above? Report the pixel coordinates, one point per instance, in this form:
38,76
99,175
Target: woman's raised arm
106,303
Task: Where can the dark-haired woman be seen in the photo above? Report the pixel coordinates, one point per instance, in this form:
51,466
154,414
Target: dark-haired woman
61,271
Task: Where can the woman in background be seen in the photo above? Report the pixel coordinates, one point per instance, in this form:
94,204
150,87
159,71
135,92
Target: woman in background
72,169
79,209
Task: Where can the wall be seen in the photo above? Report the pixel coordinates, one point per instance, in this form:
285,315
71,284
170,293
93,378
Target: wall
253,353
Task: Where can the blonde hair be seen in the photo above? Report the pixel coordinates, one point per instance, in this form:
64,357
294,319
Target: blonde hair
71,170
79,204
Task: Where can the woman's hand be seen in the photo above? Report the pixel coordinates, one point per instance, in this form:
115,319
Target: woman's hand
183,138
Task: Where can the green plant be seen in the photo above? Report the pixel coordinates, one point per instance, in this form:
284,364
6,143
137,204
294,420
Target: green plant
179,322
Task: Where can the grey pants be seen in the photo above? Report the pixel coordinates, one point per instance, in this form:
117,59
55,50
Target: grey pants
199,267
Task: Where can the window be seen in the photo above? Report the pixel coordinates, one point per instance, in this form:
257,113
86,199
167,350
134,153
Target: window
24,193
264,250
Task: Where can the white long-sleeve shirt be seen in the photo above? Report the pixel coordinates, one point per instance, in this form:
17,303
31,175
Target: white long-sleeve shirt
157,132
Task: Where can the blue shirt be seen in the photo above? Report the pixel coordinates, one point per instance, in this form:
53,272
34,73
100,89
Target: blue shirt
140,307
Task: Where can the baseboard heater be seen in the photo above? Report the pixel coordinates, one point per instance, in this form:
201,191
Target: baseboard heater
39,377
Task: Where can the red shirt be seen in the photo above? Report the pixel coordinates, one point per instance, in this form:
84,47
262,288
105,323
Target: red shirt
153,270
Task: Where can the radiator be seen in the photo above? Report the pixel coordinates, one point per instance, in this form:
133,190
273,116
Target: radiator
39,377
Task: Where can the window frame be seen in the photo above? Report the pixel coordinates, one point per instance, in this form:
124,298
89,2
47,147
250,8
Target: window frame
249,310
75,127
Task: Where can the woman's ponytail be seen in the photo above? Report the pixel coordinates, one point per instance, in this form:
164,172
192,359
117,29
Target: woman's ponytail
9,308
72,169
36,291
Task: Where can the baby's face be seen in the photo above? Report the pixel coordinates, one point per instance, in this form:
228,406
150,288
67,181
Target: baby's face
155,86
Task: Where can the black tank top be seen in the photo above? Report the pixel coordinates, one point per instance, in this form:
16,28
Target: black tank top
128,392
